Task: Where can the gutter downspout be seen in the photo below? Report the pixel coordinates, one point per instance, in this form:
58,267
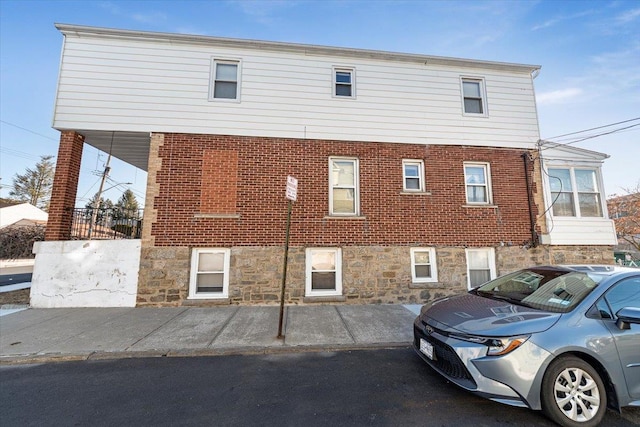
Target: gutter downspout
534,235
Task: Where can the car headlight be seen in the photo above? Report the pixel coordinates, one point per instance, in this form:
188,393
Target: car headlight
502,346
496,346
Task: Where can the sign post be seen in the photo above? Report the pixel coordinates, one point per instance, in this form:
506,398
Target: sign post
291,195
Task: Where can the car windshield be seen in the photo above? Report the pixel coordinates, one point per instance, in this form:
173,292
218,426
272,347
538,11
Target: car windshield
544,289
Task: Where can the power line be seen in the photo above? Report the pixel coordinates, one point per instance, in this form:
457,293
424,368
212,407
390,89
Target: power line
602,134
20,154
596,128
28,130
590,136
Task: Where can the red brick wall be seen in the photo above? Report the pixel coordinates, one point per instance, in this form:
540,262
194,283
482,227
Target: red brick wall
65,186
219,181
440,218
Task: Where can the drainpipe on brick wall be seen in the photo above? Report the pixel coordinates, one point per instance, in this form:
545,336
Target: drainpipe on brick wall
532,222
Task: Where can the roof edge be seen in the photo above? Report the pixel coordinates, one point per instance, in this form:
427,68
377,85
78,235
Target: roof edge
307,49
548,145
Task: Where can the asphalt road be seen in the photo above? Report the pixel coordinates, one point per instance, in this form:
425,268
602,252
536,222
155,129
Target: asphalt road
351,388
12,279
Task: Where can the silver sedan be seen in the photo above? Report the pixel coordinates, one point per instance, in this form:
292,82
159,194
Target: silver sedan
565,340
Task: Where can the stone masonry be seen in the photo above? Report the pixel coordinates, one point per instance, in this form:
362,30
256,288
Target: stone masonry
371,274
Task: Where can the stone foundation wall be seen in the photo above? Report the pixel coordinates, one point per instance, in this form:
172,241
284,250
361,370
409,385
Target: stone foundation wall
370,274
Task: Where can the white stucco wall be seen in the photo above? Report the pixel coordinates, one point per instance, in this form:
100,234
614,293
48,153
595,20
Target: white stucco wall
85,273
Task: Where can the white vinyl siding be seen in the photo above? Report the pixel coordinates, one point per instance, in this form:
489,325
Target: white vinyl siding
481,266
323,272
143,85
477,180
424,268
209,274
413,175
344,192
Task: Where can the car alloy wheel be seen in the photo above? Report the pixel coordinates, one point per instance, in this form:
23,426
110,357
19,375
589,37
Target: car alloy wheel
573,393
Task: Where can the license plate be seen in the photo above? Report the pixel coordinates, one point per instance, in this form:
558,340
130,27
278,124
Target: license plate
426,348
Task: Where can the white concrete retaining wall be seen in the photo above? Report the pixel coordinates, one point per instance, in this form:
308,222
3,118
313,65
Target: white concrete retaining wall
85,273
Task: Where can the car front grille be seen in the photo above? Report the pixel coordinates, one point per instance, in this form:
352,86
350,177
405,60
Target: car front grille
446,360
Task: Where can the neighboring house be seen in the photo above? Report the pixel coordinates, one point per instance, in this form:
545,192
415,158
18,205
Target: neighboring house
21,214
418,176
625,212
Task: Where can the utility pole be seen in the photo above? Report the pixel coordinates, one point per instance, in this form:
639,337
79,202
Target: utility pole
96,202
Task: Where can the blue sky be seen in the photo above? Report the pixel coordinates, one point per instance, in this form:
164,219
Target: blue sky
589,52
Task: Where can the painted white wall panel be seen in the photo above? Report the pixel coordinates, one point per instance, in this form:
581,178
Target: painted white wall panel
85,273
583,231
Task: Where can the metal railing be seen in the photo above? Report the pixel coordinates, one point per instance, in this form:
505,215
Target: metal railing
110,223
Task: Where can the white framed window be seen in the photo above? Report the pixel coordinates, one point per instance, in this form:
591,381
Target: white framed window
413,175
209,273
477,179
225,80
344,198
481,266
474,100
423,265
344,82
323,272
575,192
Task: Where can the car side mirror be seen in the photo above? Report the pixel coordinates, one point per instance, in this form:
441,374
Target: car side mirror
626,316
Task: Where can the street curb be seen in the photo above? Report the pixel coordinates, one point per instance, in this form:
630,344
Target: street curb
14,306
236,351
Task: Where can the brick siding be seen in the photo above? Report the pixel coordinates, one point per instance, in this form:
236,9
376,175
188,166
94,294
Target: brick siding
187,197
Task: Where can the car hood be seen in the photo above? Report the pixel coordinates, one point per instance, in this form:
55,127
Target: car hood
476,315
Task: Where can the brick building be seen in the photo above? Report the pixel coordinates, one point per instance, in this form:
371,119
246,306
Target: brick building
418,176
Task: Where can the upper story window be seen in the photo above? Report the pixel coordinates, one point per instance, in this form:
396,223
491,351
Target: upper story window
474,100
413,175
575,192
344,82
226,80
343,186
478,183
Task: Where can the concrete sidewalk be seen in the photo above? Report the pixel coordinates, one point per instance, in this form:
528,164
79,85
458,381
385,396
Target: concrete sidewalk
38,335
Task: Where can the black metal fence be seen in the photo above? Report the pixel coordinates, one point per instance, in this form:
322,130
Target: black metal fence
106,224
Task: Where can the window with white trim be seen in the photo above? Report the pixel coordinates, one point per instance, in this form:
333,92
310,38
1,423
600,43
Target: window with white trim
477,181
209,273
344,82
575,192
343,186
225,80
423,265
413,175
474,101
481,266
323,272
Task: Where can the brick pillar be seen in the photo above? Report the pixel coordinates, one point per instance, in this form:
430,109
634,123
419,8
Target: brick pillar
65,186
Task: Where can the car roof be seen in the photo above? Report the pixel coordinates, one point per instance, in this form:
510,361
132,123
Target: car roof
603,269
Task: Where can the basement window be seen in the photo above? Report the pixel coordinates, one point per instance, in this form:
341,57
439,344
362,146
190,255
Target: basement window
209,274
323,272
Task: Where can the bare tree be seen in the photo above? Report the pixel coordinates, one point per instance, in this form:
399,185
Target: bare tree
34,186
625,211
